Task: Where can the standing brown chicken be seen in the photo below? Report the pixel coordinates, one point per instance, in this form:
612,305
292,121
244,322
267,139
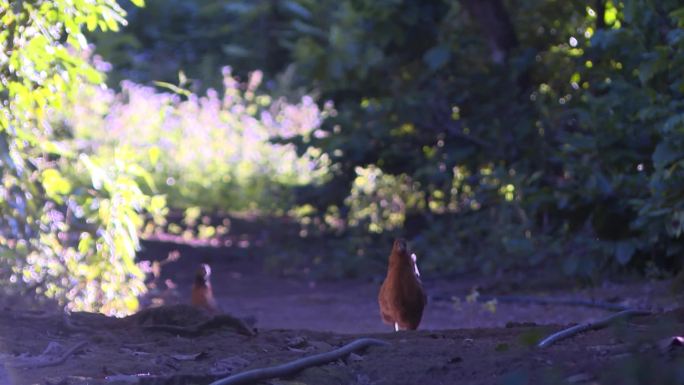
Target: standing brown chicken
402,297
202,295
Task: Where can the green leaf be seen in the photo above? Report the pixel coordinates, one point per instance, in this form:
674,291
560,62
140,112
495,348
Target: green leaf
112,24
624,250
138,3
5,157
173,87
240,8
235,50
97,174
55,184
308,29
437,57
664,154
91,22
678,15
153,154
519,246
157,203
673,123
297,9
653,63
85,243
570,265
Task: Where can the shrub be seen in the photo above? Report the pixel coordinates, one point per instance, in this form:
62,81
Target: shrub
68,238
211,151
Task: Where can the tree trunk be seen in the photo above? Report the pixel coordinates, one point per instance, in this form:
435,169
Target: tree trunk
493,19
600,14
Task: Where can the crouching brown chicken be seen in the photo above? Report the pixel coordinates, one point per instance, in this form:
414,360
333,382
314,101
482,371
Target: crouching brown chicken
402,297
202,295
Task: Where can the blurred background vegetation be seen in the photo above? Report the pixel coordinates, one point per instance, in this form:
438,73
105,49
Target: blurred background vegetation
494,134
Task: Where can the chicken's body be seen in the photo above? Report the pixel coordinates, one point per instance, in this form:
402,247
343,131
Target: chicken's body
402,297
202,295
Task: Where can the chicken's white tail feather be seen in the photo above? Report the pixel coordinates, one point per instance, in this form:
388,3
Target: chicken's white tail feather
415,264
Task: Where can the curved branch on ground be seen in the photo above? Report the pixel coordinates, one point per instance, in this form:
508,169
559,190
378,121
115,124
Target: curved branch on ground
36,362
295,366
600,324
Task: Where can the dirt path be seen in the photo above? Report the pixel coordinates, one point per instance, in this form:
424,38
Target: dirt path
350,306
459,342
124,351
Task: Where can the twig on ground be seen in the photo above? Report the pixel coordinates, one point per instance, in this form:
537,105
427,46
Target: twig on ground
40,362
295,366
531,300
600,324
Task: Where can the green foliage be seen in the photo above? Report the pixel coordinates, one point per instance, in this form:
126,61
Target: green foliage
200,36
629,114
62,236
381,201
543,157
564,148
210,151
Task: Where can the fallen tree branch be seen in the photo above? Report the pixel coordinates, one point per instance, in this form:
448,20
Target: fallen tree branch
215,322
39,362
295,366
600,324
147,379
553,301
549,301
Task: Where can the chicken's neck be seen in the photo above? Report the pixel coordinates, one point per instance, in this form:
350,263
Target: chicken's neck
201,282
399,263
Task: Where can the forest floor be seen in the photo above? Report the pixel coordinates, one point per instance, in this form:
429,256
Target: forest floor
458,342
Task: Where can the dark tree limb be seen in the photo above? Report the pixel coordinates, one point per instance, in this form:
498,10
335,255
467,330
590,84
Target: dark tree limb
290,368
493,19
600,324
600,14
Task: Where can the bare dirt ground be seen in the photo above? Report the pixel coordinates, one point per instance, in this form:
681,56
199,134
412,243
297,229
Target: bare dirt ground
459,342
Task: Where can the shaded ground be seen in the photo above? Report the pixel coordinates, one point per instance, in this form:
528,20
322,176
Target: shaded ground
459,341
350,306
